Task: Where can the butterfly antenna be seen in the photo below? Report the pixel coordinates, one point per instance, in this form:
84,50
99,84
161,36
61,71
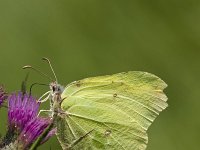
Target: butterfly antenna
38,71
32,85
49,62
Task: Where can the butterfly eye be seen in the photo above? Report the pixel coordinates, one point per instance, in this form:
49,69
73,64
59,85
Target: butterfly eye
59,89
53,88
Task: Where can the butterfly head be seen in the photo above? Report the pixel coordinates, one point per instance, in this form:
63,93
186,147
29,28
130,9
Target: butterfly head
56,88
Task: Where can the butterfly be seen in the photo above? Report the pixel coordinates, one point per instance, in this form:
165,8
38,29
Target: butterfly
106,112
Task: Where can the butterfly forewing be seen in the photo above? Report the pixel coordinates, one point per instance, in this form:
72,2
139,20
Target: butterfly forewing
117,108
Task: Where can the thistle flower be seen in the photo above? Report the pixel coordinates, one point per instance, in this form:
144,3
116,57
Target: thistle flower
24,127
3,95
21,109
33,130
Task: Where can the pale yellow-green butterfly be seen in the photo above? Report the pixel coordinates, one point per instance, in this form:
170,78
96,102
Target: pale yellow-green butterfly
111,112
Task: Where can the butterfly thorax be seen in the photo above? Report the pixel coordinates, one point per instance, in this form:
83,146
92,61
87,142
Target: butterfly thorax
56,91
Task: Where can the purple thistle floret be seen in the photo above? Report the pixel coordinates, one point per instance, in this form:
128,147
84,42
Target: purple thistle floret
21,109
3,95
23,119
24,126
34,129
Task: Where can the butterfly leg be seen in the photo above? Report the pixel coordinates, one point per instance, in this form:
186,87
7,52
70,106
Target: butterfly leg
79,139
61,113
43,111
44,100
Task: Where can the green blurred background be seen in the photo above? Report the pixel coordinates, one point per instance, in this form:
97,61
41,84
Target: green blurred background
95,37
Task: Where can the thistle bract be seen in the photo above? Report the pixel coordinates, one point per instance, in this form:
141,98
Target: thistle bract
3,95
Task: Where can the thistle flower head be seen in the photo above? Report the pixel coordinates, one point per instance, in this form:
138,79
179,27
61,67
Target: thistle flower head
21,109
24,127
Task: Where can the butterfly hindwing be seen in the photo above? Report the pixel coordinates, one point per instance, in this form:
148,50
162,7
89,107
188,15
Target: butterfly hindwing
118,109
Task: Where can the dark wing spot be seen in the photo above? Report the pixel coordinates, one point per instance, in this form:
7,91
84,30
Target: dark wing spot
115,95
107,132
78,83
